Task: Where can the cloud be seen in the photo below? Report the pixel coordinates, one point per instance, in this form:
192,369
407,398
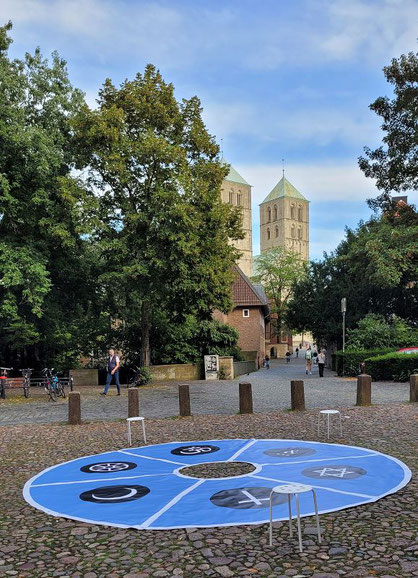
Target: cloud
318,182
183,35
319,123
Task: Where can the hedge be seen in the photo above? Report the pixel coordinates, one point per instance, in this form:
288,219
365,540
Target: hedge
348,362
396,366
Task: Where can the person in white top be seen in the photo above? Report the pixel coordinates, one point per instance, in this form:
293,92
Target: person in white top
321,363
112,368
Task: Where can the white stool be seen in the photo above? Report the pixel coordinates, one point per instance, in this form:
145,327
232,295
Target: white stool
328,413
293,489
128,421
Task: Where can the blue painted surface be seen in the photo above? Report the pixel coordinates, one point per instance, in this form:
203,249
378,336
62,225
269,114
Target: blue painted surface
143,487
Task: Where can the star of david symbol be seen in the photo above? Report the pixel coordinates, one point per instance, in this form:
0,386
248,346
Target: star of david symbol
334,472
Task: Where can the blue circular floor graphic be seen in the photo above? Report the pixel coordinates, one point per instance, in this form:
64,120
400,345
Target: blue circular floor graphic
147,487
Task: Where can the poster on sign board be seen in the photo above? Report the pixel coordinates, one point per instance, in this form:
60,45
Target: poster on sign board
211,366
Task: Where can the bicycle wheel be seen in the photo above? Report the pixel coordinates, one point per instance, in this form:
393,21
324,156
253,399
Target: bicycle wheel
52,392
26,391
61,390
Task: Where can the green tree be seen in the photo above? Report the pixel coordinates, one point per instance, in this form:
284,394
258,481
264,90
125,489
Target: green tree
45,295
374,331
279,270
165,234
395,164
375,268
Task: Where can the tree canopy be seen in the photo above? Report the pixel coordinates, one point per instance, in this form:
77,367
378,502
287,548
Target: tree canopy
279,270
394,165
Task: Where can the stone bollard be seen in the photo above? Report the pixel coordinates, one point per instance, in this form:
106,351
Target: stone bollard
297,395
364,389
74,408
245,398
413,388
133,402
184,400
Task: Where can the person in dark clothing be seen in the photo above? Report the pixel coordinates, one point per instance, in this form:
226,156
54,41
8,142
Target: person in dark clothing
288,354
267,361
297,351
112,368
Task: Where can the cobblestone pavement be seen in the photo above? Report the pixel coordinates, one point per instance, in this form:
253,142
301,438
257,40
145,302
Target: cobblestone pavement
375,539
271,391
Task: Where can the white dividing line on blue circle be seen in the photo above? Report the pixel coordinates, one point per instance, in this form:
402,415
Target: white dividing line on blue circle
153,493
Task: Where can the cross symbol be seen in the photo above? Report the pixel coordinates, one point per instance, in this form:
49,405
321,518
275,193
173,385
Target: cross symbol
252,499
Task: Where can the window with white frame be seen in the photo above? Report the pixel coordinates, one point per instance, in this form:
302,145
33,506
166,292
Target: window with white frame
245,312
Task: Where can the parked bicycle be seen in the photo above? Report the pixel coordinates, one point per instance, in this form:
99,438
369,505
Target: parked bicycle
26,373
52,384
3,376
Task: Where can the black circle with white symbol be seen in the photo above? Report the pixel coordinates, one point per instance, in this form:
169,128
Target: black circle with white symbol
115,494
334,472
289,452
108,467
247,498
195,450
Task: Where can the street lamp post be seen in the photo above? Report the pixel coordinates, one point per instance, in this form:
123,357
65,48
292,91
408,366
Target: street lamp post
343,310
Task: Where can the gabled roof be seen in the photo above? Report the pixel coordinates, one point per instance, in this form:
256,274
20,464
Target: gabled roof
284,189
245,294
234,175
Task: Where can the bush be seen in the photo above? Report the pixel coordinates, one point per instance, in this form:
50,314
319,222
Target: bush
374,331
348,362
392,366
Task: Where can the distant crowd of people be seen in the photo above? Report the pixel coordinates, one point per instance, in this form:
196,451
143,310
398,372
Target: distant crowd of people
312,357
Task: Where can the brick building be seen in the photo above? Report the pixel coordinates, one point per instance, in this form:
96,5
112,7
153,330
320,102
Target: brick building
250,316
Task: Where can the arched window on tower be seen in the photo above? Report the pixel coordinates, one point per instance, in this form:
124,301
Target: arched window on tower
292,212
239,199
268,215
268,234
231,197
300,213
300,233
293,232
277,232
275,213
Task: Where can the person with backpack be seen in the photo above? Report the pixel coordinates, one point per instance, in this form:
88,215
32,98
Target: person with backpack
321,362
288,354
308,360
112,368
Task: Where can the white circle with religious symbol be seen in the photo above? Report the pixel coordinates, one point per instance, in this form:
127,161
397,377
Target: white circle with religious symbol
145,488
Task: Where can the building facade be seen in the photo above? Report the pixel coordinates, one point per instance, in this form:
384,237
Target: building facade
250,316
236,191
284,220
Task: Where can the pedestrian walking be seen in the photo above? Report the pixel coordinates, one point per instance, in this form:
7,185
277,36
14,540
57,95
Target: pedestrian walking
288,356
321,362
297,351
267,361
308,360
112,369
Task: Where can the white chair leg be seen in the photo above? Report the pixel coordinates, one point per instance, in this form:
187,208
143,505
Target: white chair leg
143,431
316,516
328,425
298,521
290,515
129,433
271,520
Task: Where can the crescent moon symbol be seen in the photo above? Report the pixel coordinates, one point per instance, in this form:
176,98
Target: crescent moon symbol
131,493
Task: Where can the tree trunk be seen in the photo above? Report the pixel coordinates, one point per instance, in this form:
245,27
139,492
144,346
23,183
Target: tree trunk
145,328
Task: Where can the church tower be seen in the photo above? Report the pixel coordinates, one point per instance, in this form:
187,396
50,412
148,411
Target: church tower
236,191
284,220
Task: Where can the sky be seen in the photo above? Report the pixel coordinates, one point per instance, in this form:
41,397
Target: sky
278,79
